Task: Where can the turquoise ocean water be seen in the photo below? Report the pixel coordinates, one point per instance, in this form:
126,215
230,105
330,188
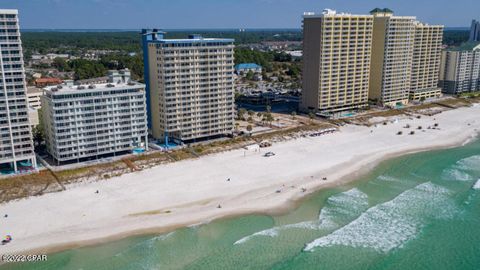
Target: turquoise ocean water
414,212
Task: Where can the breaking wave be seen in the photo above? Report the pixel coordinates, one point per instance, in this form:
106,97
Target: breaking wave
391,224
339,209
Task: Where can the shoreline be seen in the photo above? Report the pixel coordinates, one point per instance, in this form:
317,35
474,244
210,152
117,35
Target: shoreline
259,200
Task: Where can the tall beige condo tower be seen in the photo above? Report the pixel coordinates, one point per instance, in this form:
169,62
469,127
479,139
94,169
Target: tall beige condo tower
337,52
427,50
16,145
189,87
392,57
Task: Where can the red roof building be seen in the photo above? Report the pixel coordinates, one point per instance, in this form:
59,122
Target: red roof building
42,82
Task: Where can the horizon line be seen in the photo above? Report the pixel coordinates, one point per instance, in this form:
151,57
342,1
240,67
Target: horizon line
184,29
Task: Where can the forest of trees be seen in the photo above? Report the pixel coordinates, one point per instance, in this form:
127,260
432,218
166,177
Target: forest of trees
265,59
85,69
455,37
122,43
76,43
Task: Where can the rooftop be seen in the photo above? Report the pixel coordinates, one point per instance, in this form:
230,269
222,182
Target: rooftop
158,36
247,66
93,80
418,23
48,80
116,79
33,89
9,11
331,12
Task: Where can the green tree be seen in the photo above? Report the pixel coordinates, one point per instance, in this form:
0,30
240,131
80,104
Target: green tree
85,69
249,75
249,129
268,118
241,113
294,114
60,64
38,134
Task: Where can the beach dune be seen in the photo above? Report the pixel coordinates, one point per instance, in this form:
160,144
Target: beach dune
196,191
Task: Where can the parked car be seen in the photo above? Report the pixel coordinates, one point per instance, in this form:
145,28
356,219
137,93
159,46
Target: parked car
269,154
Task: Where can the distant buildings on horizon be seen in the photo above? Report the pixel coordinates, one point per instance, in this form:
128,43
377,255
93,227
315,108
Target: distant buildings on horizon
474,31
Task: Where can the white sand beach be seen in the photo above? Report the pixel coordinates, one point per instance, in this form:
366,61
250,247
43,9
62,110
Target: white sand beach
189,192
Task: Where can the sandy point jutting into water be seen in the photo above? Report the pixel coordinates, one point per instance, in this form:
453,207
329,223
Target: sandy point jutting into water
190,191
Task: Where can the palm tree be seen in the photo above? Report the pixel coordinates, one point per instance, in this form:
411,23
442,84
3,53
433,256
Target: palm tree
236,126
294,114
269,118
269,108
311,115
249,129
241,113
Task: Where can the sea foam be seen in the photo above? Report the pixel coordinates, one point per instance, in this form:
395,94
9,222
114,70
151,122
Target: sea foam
342,207
462,170
477,185
272,232
391,224
339,207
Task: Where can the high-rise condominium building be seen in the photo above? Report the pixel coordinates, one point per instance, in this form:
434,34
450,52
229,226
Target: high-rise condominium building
16,145
392,54
460,69
475,31
427,50
189,86
84,122
336,59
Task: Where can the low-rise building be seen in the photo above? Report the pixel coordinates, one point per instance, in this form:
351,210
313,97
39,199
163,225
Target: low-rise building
297,54
33,117
33,97
242,69
84,122
42,82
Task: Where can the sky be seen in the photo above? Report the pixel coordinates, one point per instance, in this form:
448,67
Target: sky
221,14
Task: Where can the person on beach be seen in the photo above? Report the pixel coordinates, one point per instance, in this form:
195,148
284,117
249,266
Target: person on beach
7,240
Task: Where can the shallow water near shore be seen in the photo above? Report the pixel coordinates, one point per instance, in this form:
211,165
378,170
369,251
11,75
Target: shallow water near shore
420,211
